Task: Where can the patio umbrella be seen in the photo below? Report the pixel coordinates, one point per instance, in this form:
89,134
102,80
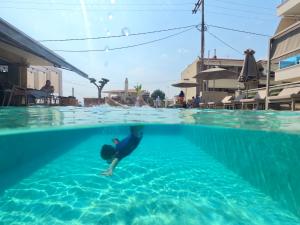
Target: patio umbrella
185,84
250,72
216,74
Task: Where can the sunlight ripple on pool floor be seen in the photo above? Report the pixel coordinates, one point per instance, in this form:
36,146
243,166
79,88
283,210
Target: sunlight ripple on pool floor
160,183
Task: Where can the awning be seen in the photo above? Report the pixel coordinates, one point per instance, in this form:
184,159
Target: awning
286,43
17,47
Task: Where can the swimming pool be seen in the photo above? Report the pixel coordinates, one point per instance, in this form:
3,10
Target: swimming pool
188,169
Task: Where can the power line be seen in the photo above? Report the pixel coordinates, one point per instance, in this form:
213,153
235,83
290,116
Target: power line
240,31
97,4
228,45
129,46
97,9
117,36
127,10
157,10
240,16
241,10
244,4
150,32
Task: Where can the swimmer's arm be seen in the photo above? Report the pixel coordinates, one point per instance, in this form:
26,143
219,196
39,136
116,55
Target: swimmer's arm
110,170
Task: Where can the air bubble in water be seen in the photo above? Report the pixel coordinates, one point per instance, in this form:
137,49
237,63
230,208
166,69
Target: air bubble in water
125,31
106,48
110,16
113,2
108,33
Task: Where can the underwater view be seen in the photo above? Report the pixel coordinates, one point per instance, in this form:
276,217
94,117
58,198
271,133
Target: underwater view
149,112
183,171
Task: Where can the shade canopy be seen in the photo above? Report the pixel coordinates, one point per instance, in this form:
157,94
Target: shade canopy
286,43
250,70
17,47
216,74
185,84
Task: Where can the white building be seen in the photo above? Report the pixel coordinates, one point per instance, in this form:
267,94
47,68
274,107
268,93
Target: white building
285,44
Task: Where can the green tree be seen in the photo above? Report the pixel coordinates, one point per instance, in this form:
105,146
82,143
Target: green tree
159,93
138,89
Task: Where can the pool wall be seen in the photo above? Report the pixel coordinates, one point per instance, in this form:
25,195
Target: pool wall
267,160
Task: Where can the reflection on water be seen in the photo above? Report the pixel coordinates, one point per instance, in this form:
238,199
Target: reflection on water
36,117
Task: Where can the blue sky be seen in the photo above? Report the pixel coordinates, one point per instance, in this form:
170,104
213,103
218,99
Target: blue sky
156,65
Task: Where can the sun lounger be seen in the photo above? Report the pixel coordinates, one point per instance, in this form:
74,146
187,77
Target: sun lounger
259,99
233,103
203,105
221,103
287,95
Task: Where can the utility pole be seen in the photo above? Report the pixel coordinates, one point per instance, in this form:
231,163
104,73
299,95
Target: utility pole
195,10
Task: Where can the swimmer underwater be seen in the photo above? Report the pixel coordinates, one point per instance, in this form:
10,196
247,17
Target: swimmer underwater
114,154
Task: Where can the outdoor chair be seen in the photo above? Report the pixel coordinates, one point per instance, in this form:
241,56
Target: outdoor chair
256,101
233,104
221,103
14,95
203,105
40,97
287,95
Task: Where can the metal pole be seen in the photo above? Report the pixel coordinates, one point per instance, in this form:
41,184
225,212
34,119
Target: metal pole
202,37
268,76
195,10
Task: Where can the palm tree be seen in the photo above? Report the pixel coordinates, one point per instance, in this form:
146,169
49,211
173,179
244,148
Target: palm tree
139,98
138,89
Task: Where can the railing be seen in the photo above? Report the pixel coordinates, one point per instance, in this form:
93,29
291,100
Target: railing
274,87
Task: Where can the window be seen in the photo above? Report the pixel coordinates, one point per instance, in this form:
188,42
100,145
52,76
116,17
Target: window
294,60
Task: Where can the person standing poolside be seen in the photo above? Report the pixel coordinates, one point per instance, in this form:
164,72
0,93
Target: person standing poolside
114,154
157,102
181,97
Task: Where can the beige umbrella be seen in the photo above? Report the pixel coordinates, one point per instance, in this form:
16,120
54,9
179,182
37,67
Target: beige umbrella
185,84
216,74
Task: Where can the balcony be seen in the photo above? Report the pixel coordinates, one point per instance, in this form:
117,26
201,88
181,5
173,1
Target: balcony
289,8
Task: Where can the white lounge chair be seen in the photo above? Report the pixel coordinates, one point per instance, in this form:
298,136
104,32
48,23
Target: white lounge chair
287,95
221,103
258,99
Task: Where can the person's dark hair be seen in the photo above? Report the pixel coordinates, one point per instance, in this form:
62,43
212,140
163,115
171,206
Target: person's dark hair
107,152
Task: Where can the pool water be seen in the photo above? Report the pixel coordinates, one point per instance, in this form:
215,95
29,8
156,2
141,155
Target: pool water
13,119
179,174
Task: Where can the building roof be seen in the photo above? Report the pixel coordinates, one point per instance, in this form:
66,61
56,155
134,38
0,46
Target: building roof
17,47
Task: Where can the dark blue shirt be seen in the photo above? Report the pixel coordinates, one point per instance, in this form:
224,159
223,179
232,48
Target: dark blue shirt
126,146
